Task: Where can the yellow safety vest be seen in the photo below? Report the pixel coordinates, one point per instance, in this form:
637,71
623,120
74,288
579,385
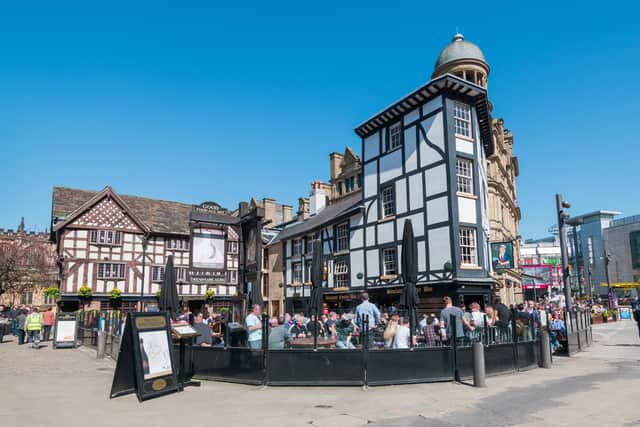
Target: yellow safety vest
34,322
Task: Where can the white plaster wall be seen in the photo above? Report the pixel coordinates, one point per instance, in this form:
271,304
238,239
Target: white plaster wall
289,277
288,248
371,146
390,166
373,263
437,210
356,220
432,105
371,235
357,266
410,149
356,239
412,116
416,195
435,180
401,196
422,257
464,146
467,210
82,234
417,222
385,232
439,248
370,183
373,212
434,130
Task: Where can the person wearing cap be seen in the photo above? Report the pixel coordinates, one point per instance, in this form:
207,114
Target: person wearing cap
345,330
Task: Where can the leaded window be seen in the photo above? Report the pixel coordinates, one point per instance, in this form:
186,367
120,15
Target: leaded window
296,272
341,274
157,273
107,270
395,136
297,247
106,237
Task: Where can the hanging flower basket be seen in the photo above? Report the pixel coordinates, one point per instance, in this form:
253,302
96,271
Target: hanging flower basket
115,294
158,293
52,292
84,292
210,294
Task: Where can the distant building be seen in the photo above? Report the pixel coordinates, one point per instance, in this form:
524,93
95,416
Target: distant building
622,243
541,266
102,240
28,264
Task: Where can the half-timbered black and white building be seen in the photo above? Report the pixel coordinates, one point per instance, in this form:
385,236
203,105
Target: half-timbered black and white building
103,240
423,159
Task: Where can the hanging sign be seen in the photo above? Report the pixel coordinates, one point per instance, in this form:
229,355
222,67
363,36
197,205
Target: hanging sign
145,362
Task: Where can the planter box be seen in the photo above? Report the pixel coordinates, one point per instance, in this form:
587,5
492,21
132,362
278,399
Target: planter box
596,320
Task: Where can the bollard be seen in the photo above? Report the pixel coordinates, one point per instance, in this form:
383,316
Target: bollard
479,375
102,344
545,349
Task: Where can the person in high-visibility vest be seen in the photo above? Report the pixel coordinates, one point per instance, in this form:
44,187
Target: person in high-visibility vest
33,325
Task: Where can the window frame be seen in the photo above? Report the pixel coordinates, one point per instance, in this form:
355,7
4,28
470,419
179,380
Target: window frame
464,180
389,143
383,261
342,242
462,120
177,244
157,270
294,272
383,204
343,280
103,266
232,246
106,237
297,244
471,244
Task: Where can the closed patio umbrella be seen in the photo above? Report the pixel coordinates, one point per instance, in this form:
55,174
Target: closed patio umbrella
169,290
409,265
317,273
255,296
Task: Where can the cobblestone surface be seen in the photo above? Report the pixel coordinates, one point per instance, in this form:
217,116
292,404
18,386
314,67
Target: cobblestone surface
593,388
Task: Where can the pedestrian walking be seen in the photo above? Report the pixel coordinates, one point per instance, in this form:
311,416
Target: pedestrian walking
21,320
34,326
48,319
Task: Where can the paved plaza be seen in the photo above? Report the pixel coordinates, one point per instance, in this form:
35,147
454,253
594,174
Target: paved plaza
71,388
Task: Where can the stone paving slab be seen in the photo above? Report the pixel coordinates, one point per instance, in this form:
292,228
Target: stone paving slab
598,387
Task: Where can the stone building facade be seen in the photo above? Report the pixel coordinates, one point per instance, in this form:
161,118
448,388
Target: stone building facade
465,60
34,254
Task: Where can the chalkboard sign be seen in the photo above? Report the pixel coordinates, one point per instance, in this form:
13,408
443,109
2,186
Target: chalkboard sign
145,362
65,331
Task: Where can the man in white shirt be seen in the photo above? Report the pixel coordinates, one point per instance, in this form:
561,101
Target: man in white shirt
401,340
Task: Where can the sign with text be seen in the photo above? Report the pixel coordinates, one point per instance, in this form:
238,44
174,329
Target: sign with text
65,331
145,362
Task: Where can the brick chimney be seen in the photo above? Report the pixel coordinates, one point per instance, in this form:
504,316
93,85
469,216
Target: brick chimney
303,208
287,213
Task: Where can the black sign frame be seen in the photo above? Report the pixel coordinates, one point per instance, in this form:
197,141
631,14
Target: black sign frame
129,376
65,317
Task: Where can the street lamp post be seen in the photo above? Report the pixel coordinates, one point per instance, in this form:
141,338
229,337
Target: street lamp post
145,242
607,259
562,217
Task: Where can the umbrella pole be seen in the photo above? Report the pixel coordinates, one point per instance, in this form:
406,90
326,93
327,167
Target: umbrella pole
315,330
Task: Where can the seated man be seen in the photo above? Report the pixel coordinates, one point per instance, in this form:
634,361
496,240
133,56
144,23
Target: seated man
204,339
279,336
557,332
345,329
299,329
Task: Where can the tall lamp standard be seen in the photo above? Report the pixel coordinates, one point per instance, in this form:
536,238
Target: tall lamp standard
562,218
607,259
145,242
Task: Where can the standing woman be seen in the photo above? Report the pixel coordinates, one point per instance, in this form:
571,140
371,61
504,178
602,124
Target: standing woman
390,331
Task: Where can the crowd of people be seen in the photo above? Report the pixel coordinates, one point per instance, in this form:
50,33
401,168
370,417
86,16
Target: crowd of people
27,323
390,328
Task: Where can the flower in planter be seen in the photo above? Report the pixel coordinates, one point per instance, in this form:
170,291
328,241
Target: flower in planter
210,294
84,292
158,293
115,293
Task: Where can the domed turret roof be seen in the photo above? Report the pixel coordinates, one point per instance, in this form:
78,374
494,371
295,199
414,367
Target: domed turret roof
459,49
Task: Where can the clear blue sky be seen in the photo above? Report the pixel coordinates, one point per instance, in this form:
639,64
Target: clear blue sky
195,101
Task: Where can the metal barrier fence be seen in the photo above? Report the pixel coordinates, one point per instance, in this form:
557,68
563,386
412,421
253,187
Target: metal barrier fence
110,322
